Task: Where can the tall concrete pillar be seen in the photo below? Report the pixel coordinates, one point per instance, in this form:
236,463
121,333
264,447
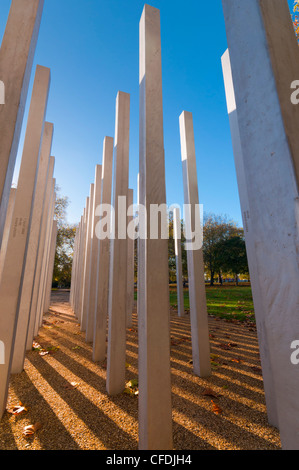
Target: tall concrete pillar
264,65
14,265
75,265
78,263
178,260
87,264
117,306
16,58
269,389
82,262
7,226
41,246
130,264
138,242
45,262
27,285
100,329
94,258
49,278
155,410
197,293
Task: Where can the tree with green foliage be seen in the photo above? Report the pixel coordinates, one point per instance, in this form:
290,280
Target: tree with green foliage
216,230
295,18
65,245
233,256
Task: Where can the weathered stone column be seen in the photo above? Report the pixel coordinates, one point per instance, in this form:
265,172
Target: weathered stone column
94,258
76,258
197,293
130,264
31,258
16,58
46,264
155,410
138,242
74,265
7,226
82,261
178,259
117,306
100,330
41,290
14,265
51,268
41,246
78,264
264,65
251,253
87,264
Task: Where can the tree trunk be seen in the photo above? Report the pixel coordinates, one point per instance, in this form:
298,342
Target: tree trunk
212,279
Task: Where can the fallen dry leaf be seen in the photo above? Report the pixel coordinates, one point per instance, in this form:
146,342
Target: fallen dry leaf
18,409
31,429
208,392
71,385
216,409
238,360
44,353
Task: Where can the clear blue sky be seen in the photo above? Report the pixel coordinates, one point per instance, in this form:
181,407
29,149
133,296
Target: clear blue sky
92,48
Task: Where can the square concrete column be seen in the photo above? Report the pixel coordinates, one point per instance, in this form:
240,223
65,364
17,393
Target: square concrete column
51,268
251,253
130,263
78,262
138,249
14,265
94,258
264,65
155,407
7,226
45,262
197,292
87,262
82,262
117,306
76,258
31,258
41,246
178,260
48,261
16,58
75,265
100,329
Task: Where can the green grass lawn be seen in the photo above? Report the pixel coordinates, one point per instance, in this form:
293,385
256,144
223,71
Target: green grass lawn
233,303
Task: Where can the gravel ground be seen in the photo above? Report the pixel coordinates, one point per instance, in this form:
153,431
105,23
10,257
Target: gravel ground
63,392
